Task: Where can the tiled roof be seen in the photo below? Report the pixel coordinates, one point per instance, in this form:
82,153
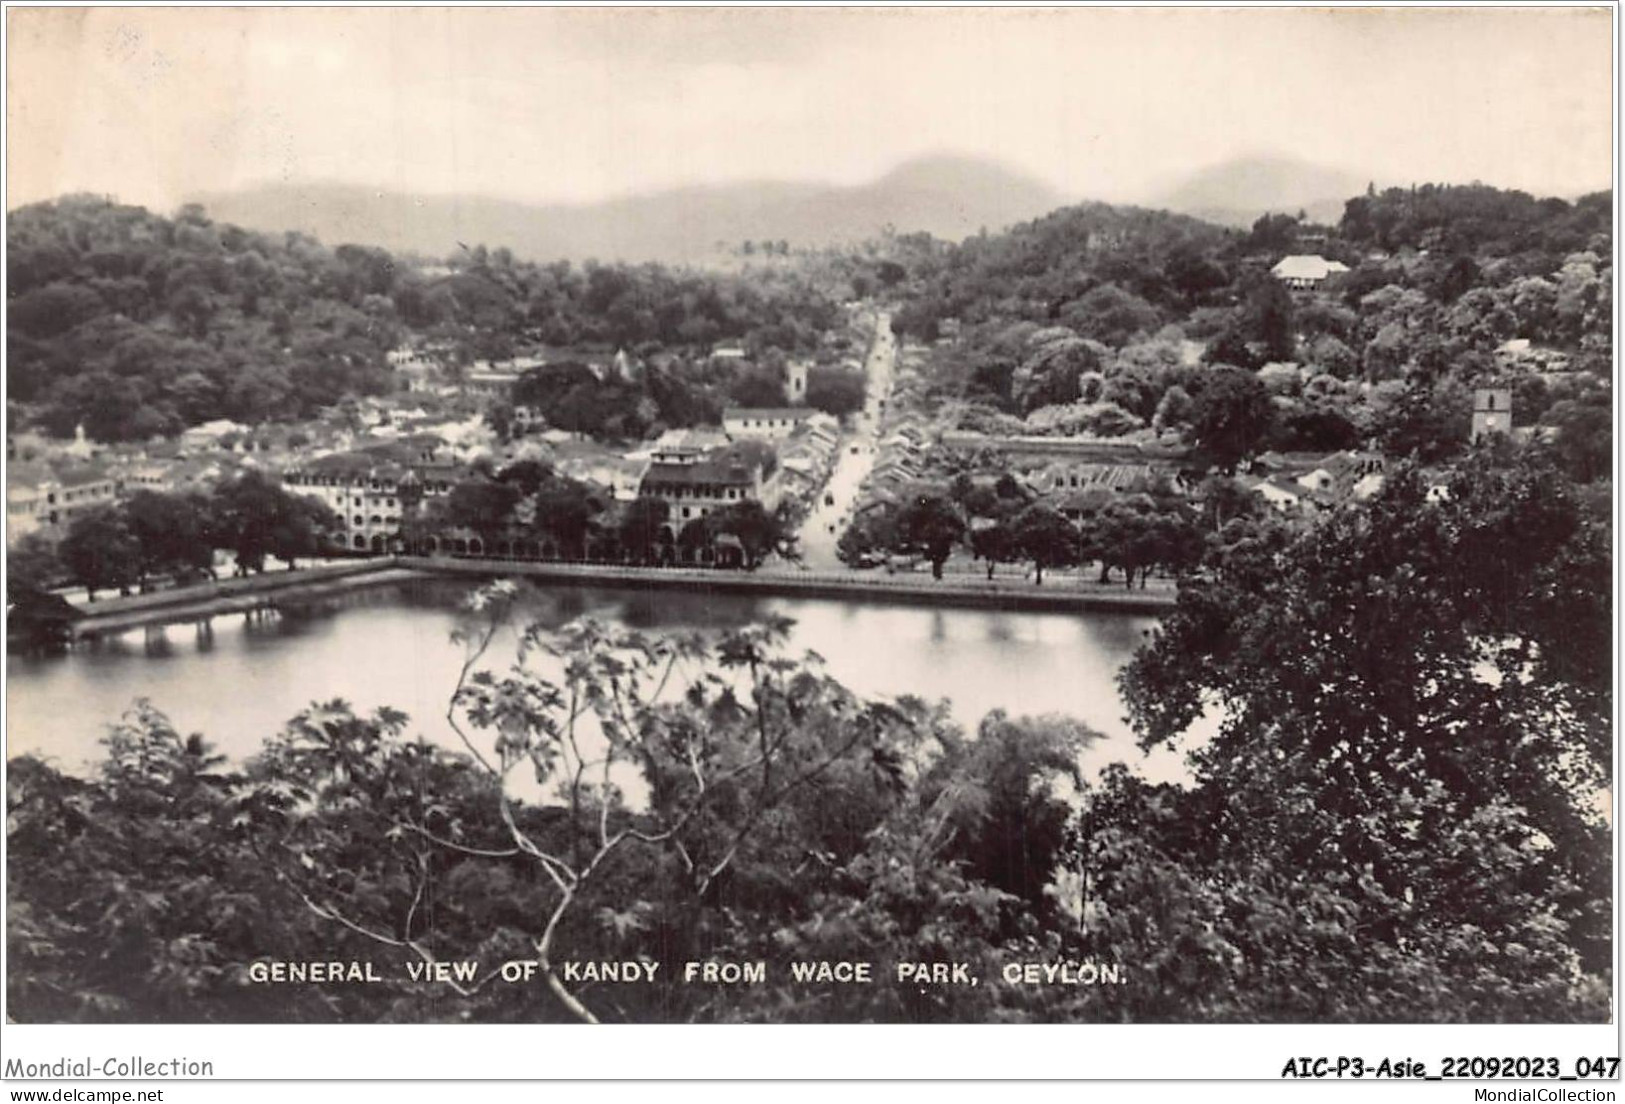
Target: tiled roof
701,472
75,475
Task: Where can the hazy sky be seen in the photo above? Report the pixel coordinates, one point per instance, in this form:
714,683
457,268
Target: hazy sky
154,104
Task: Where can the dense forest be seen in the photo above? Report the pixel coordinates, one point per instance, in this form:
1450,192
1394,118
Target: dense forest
137,325
1092,319
1069,267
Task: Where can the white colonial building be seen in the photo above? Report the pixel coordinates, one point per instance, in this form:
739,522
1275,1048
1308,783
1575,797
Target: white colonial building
372,491
764,423
1304,271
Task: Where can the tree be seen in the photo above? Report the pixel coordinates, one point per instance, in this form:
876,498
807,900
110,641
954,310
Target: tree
1021,817
1230,415
32,564
36,616
996,543
641,525
1349,665
1585,437
100,551
890,273
1139,533
528,475
54,309
759,532
1273,233
1224,499
836,391
872,531
482,504
564,513
759,387
1046,538
131,870
542,386
499,416
1269,318
694,537
727,771
173,533
931,524
256,518
1050,374
303,527
1174,409
1421,425
1193,273
1110,315
1232,347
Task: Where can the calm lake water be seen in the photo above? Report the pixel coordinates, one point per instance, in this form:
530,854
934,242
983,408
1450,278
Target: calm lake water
391,645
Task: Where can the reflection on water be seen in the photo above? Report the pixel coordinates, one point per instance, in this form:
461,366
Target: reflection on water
391,646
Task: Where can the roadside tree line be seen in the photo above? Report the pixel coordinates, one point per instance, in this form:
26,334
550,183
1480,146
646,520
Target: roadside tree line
1152,529
156,535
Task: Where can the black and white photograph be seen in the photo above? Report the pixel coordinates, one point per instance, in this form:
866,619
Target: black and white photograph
811,516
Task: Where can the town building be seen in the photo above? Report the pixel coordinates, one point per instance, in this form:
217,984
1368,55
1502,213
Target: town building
1284,494
496,383
372,490
617,477
764,423
1345,473
795,382
1307,482
695,485
25,510
364,493
1306,271
1073,475
1492,411
700,439
216,434
420,369
46,500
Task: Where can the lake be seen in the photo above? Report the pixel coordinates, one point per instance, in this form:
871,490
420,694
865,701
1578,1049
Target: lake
390,645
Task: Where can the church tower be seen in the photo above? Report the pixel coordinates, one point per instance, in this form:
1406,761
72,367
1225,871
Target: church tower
795,382
1492,411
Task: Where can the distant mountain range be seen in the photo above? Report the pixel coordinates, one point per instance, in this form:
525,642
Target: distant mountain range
1237,192
950,197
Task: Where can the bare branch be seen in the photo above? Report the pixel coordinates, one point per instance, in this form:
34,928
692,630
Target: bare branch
337,917
556,868
454,846
417,894
544,951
